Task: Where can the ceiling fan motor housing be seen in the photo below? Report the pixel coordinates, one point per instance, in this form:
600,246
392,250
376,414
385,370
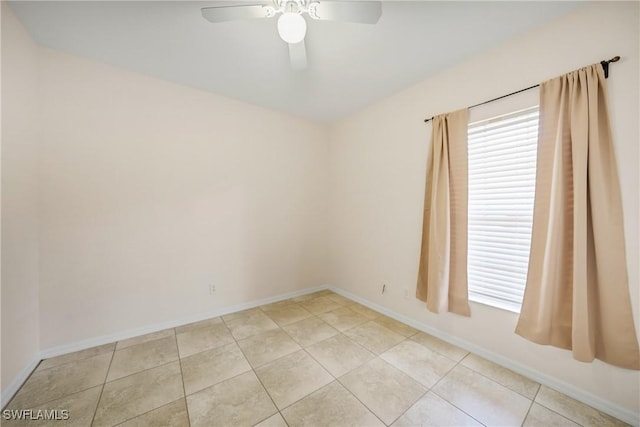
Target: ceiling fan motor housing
293,6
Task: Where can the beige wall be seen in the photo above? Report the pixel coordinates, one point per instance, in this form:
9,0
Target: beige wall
378,168
151,191
19,199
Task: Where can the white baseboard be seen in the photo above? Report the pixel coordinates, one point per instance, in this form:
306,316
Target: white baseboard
8,393
119,336
17,382
599,403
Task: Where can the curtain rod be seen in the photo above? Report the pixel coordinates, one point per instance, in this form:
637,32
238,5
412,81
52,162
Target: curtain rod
605,67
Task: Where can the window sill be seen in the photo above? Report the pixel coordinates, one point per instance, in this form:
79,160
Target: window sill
513,308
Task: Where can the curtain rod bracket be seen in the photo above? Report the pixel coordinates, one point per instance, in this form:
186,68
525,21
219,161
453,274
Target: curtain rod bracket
605,65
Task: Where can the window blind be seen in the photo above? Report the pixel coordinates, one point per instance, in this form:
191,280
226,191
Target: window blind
502,174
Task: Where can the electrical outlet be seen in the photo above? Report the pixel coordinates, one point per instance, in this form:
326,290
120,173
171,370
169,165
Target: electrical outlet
212,289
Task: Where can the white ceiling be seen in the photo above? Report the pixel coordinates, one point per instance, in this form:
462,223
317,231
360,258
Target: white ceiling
350,65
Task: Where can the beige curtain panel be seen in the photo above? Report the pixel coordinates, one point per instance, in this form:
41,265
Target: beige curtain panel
442,277
577,293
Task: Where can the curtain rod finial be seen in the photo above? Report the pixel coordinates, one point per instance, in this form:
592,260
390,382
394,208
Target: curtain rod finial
614,59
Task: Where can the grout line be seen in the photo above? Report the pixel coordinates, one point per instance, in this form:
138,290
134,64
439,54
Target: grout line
255,374
252,369
307,395
422,395
151,410
531,405
293,403
428,389
316,315
26,381
62,397
498,382
564,416
219,382
432,389
356,397
145,342
59,397
367,320
458,408
72,361
144,370
104,383
184,390
139,372
33,371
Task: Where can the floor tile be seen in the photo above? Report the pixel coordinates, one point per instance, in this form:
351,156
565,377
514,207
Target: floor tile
574,410
145,338
244,314
273,421
383,389
374,337
210,367
80,406
139,393
365,311
197,325
332,405
539,416
504,376
434,411
289,314
75,356
292,377
143,356
239,401
310,331
146,381
248,326
305,297
320,305
395,326
53,383
343,318
171,415
309,297
264,348
204,338
340,299
420,363
483,399
442,347
339,354
275,306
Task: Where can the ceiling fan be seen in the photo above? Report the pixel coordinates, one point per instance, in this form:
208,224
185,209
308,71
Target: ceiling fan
292,26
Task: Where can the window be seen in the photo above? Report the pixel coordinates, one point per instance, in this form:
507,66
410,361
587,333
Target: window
502,174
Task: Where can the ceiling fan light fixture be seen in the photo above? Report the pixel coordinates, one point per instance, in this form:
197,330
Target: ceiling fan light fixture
292,27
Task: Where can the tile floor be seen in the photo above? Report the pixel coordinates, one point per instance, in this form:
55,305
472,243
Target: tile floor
316,360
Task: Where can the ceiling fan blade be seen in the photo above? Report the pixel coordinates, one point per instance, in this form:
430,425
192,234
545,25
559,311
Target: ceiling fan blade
298,56
234,13
363,12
